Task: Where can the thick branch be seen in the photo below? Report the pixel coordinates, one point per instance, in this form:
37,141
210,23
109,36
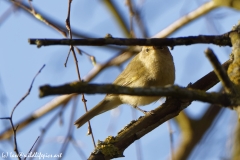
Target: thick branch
173,91
222,40
114,147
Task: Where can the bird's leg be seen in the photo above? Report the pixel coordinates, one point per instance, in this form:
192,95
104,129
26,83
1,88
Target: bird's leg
143,111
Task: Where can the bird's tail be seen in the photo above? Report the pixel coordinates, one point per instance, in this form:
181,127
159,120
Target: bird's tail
101,107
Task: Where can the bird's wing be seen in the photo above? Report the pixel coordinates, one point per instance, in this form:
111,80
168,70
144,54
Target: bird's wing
130,75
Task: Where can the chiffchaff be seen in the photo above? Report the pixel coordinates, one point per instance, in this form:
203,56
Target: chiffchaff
152,67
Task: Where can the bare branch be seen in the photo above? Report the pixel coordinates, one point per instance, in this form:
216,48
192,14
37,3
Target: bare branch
220,72
68,26
173,91
222,40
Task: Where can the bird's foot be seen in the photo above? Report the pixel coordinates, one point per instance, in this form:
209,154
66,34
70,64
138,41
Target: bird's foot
145,112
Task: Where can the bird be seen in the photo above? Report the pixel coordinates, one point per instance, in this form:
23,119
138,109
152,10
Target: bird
152,67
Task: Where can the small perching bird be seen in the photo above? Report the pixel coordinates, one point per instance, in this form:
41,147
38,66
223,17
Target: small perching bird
152,67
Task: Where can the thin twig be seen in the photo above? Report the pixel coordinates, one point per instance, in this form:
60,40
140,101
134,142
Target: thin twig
45,129
68,26
31,6
38,16
48,22
28,92
65,64
37,114
11,116
70,129
32,147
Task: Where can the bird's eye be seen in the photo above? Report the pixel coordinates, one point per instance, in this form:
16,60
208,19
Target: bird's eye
147,50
